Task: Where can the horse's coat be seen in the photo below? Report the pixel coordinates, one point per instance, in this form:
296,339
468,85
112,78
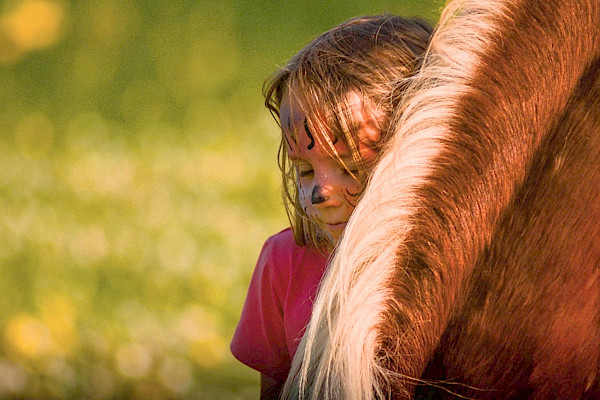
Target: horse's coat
471,266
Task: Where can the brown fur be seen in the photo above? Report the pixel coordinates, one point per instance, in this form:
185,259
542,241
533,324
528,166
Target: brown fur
506,251
528,325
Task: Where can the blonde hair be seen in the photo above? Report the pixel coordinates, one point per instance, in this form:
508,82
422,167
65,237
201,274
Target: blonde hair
372,56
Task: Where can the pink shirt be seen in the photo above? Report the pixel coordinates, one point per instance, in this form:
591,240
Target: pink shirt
278,305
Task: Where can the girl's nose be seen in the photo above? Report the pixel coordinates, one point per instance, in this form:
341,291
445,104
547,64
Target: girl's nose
324,193
318,196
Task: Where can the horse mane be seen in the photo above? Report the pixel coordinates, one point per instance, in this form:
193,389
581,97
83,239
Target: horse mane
471,266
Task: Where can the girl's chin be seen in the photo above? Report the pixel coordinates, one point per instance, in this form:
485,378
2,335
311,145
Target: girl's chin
335,230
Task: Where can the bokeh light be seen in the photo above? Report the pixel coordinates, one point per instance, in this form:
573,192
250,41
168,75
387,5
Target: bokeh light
29,25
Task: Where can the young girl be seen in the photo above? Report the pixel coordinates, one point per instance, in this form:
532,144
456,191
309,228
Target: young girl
334,101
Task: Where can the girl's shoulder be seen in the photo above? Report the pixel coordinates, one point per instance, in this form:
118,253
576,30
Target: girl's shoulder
283,239
283,248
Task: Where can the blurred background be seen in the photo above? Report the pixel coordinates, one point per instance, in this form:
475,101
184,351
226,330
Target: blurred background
138,181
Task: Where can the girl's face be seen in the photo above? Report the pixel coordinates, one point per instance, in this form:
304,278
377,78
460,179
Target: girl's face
328,192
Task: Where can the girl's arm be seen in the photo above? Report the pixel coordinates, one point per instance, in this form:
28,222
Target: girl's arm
270,388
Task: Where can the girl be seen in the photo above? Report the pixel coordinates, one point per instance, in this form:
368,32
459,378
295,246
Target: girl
334,101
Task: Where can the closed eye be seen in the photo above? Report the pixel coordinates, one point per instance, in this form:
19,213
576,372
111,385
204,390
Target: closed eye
349,170
348,166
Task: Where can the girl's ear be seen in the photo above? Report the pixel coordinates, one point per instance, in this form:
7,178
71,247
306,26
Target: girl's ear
368,117
371,133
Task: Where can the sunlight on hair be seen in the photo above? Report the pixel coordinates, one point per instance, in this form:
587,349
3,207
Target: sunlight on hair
29,25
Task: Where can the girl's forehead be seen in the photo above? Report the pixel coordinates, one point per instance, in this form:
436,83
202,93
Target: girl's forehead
303,134
292,113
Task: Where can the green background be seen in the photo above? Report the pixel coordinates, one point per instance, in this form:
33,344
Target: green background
138,181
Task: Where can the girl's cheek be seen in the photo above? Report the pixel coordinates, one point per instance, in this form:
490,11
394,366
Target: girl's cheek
352,194
304,198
